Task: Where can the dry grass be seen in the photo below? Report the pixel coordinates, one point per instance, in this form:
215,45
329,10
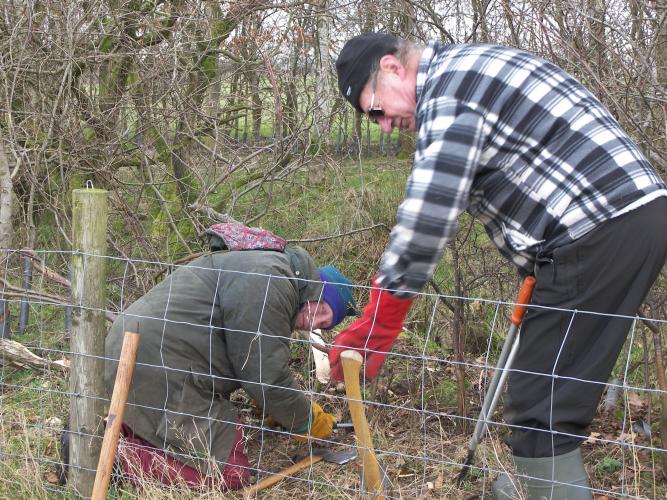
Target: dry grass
421,452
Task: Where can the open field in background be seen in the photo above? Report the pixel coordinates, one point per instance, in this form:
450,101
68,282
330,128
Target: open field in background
416,421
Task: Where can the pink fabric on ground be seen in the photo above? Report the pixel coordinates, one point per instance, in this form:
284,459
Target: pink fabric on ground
139,460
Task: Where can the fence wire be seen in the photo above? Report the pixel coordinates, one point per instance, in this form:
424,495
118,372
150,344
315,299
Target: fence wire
421,409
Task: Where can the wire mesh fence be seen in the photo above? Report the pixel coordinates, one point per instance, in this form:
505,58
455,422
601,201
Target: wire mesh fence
421,410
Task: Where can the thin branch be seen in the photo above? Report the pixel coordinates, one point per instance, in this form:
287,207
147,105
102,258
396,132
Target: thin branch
340,235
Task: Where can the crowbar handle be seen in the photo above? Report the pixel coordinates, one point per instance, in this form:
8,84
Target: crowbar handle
121,388
352,361
522,300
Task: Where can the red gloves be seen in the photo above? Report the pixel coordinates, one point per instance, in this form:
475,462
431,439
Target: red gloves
380,323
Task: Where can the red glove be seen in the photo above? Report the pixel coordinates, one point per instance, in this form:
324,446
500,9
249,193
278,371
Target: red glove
380,323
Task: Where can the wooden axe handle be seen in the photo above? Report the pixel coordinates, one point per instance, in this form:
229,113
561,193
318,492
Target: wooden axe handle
121,388
283,474
352,361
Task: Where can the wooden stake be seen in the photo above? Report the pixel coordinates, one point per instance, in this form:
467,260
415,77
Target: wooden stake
121,388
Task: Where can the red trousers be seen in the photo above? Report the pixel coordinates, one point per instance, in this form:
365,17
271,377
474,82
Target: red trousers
141,461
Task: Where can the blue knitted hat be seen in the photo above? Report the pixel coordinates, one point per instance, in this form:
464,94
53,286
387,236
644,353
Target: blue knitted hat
337,292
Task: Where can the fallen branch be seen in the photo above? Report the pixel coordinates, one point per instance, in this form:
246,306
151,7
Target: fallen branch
15,354
42,268
9,290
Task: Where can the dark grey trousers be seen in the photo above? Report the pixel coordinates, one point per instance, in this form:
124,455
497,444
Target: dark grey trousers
608,271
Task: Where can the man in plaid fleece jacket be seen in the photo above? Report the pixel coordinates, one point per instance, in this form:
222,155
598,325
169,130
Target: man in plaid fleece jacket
563,193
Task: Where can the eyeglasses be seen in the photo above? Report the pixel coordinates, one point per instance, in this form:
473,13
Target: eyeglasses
374,112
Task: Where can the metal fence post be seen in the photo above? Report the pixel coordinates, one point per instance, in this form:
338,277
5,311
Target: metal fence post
25,303
5,329
368,137
89,224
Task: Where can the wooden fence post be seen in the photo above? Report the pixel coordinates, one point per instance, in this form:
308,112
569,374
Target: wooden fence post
89,227
68,308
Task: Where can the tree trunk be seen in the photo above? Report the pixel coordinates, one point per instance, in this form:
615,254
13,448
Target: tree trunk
256,107
597,46
479,22
458,334
323,82
6,198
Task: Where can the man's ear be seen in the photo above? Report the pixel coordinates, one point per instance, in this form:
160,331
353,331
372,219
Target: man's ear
391,64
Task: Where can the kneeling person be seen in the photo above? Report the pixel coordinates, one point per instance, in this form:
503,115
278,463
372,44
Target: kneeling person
220,323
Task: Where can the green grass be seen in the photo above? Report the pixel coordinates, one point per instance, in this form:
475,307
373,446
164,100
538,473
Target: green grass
325,200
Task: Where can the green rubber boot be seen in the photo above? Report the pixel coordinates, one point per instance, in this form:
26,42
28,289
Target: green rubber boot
553,478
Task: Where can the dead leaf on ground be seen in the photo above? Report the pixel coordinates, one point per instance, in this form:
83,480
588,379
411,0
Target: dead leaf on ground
432,487
63,362
54,422
593,438
627,437
52,478
634,400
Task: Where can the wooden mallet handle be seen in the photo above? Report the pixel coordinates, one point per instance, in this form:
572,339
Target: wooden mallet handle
352,361
251,491
121,388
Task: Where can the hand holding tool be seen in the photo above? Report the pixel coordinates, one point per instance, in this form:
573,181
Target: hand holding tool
352,361
509,350
321,426
374,333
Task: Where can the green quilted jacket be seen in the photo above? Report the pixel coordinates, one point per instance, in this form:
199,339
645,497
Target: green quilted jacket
218,324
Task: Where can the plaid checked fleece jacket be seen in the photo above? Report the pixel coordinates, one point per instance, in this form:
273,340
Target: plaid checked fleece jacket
522,146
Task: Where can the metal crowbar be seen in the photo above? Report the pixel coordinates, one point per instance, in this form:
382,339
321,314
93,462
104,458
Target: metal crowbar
507,355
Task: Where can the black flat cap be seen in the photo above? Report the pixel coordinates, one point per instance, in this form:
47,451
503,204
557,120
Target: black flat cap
357,59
